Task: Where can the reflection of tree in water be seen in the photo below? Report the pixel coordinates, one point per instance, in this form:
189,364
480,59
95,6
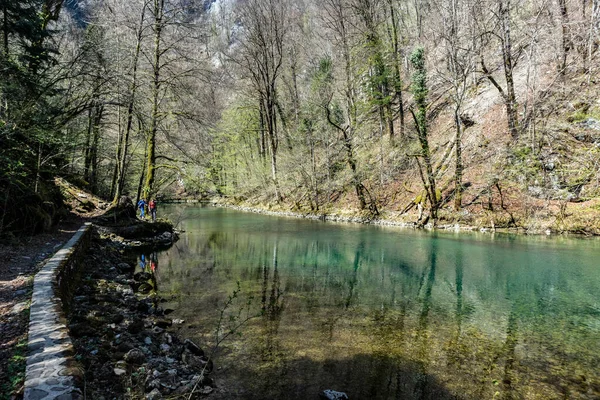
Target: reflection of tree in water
354,278
349,300
459,291
272,305
509,353
421,385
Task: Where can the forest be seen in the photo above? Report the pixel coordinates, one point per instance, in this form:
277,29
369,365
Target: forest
474,112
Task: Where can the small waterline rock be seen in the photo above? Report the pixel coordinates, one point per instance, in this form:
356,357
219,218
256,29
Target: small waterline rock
329,394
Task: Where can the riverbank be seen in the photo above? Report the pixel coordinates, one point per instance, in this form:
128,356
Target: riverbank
126,343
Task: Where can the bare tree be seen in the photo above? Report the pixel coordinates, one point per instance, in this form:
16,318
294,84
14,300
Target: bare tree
337,20
263,48
502,33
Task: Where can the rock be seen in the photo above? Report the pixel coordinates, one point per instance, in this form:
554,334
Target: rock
125,347
135,327
83,329
165,347
154,395
119,371
135,356
19,308
142,276
124,267
193,348
145,288
148,340
196,362
156,330
205,390
163,323
332,395
118,318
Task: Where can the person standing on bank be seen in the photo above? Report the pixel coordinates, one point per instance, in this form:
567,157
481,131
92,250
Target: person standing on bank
152,208
142,206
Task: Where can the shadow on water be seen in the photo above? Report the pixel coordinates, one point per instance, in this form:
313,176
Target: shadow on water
364,376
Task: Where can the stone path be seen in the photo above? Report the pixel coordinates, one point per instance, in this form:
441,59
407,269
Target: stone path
51,371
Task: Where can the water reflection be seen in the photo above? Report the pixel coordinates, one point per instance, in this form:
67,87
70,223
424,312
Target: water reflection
388,314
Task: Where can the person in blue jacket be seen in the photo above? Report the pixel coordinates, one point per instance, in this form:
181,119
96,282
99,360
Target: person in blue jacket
142,206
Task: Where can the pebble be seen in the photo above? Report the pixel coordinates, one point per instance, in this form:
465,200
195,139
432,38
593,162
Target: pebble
119,371
154,395
148,341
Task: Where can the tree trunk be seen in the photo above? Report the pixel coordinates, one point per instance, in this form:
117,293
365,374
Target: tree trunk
511,108
420,94
458,166
156,86
99,111
88,142
5,30
564,19
124,144
396,61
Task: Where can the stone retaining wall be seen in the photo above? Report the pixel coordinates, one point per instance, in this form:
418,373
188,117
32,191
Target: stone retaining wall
51,370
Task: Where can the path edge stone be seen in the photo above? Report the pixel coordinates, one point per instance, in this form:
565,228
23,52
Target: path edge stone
52,372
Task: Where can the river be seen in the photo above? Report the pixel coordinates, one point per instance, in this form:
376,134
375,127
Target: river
381,312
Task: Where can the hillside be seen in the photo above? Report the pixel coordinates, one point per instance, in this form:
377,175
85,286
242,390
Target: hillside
481,113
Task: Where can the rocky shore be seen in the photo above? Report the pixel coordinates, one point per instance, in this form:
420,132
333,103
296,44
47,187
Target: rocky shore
124,339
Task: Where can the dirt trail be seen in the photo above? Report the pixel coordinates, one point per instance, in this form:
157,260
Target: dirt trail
19,262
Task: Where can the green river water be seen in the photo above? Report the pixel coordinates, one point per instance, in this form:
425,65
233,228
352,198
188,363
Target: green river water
384,313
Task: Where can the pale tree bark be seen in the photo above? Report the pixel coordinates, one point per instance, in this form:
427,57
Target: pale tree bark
564,20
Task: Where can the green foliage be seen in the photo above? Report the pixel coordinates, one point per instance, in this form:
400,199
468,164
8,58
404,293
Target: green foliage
235,149
31,145
419,88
